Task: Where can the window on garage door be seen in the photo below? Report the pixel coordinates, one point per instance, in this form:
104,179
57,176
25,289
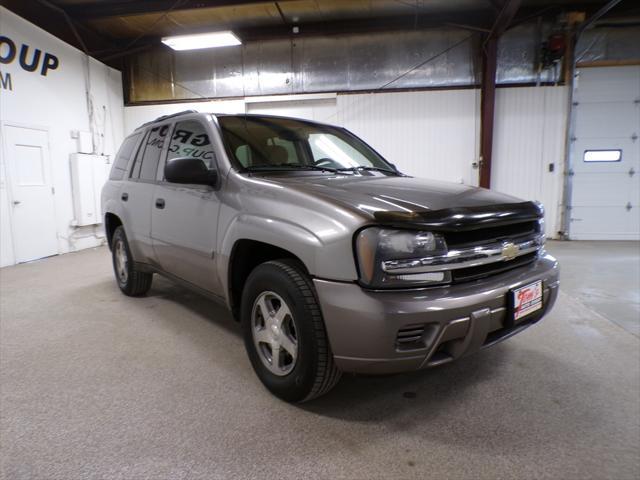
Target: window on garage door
602,155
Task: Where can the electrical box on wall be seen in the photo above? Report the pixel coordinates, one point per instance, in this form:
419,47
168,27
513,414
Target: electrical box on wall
88,174
85,142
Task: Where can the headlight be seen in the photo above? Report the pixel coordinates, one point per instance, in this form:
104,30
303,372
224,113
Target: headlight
382,251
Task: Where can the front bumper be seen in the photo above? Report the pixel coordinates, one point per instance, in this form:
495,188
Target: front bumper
365,327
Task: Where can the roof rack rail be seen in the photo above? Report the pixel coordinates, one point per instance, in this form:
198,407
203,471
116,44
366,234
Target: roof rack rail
164,117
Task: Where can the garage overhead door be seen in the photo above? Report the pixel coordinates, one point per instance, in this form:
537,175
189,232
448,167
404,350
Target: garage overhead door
605,155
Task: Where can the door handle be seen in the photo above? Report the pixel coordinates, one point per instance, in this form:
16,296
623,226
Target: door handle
125,197
17,202
160,203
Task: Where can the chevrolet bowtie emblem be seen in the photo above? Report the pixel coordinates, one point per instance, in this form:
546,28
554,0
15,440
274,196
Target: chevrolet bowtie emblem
510,251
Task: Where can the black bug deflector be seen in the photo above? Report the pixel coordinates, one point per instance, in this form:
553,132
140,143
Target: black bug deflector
464,218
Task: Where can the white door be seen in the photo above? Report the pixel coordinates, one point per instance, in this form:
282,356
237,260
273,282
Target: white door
605,155
30,193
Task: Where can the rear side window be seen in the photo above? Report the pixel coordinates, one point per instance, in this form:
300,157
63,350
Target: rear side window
123,156
137,161
146,163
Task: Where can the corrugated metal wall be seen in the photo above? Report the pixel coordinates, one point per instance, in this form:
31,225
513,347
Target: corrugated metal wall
359,62
609,43
529,136
430,134
308,65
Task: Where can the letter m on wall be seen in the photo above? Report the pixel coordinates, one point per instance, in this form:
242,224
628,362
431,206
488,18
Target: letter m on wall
5,81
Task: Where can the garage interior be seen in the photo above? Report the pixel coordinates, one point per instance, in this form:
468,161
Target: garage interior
536,99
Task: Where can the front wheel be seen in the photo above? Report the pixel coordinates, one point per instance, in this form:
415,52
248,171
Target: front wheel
284,332
131,281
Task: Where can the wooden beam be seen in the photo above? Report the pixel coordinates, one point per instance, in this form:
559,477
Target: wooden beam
69,21
607,63
49,18
505,17
487,108
488,87
596,16
123,8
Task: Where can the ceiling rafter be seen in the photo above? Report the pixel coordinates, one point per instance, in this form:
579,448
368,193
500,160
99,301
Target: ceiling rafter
106,30
123,9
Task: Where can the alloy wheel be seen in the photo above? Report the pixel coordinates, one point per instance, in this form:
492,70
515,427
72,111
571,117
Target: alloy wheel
274,333
121,261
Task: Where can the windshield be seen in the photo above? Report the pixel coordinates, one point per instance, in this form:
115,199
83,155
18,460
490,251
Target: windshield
265,143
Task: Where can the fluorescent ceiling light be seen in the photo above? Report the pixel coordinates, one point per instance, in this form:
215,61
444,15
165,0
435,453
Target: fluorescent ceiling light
202,40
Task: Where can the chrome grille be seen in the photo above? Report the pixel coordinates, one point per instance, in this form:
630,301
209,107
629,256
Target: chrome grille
478,253
474,273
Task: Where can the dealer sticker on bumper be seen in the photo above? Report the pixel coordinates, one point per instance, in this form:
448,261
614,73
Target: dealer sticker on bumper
526,300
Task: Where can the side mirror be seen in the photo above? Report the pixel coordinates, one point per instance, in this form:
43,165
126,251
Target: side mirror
189,170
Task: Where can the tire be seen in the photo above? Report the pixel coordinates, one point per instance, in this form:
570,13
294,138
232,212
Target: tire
313,371
132,282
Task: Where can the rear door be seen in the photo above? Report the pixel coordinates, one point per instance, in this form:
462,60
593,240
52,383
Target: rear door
185,217
137,193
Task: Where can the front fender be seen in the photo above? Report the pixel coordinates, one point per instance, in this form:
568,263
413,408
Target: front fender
325,255
280,233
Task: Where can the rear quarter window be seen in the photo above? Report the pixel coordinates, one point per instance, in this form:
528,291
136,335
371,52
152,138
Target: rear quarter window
122,157
148,157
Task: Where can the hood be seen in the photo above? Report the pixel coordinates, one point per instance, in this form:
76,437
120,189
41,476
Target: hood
371,194
406,200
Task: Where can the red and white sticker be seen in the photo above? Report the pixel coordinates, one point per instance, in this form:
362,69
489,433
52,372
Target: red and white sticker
527,299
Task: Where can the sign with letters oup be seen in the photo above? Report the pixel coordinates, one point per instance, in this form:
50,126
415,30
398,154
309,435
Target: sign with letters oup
30,60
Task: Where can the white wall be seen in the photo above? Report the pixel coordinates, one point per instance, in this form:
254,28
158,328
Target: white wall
529,134
319,109
57,102
426,134
435,133
136,116
432,134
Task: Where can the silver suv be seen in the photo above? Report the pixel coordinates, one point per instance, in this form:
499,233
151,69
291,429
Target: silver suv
332,259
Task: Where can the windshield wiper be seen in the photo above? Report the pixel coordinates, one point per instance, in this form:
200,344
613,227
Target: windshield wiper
285,166
363,167
298,166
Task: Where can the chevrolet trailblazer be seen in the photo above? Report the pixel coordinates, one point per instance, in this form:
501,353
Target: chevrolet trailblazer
332,259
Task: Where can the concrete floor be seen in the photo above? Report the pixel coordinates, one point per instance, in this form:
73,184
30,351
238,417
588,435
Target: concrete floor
605,276
97,385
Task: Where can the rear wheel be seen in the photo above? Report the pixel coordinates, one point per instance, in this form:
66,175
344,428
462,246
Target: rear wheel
131,281
284,332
